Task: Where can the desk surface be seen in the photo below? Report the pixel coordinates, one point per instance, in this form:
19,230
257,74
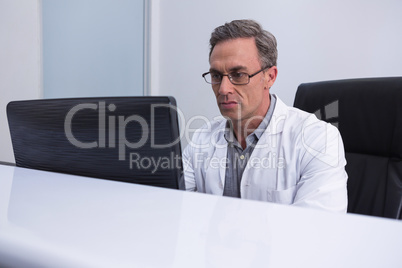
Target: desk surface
57,220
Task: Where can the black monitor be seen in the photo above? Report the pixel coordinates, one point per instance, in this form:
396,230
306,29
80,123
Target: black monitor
128,139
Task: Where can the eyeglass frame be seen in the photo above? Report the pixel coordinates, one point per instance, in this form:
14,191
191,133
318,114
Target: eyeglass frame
230,77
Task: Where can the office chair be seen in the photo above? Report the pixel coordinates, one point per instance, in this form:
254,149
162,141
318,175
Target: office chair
127,139
368,114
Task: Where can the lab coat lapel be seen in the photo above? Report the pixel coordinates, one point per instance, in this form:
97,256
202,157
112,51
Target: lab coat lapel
217,163
266,151
221,154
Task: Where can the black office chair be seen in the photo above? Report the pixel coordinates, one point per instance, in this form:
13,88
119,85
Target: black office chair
128,139
368,113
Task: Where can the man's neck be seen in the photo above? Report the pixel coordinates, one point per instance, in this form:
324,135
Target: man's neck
244,127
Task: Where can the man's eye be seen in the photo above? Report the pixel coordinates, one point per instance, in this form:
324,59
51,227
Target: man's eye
237,75
216,76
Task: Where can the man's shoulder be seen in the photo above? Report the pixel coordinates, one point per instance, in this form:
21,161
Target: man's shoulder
211,126
209,132
282,109
298,120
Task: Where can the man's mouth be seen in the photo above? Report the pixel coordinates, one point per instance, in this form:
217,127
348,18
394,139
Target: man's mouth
228,104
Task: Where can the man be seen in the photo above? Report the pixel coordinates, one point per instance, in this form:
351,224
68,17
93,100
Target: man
262,149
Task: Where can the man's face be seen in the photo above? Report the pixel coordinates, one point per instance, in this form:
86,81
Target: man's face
241,102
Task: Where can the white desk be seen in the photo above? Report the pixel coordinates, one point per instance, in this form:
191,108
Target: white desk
56,220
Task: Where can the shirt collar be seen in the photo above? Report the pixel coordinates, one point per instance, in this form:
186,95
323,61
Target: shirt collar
229,134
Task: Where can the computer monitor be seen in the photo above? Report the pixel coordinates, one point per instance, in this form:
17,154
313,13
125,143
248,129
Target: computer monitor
128,139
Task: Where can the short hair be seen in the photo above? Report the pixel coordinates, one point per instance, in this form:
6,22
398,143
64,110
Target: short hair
264,40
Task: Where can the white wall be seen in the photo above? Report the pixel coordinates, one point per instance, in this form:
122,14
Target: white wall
20,60
317,40
92,48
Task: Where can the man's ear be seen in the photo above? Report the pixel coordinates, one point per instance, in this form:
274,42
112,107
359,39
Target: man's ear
271,75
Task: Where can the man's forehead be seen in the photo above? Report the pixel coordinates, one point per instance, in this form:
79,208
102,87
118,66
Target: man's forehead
226,61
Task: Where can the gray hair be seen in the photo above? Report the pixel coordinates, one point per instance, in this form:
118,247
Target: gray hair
264,40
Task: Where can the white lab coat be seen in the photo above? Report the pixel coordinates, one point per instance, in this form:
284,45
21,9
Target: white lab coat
298,160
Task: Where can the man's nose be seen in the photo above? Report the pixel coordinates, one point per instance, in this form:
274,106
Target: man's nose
225,86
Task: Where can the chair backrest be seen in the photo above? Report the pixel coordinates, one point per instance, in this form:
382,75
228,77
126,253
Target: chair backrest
368,114
129,139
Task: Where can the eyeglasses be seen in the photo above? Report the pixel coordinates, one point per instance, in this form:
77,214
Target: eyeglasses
236,78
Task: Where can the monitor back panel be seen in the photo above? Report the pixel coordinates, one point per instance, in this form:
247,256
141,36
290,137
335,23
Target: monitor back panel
129,139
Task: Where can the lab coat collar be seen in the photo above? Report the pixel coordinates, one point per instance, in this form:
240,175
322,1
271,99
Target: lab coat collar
278,118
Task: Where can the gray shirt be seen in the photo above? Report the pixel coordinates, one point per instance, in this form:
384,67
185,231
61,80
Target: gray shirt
237,158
